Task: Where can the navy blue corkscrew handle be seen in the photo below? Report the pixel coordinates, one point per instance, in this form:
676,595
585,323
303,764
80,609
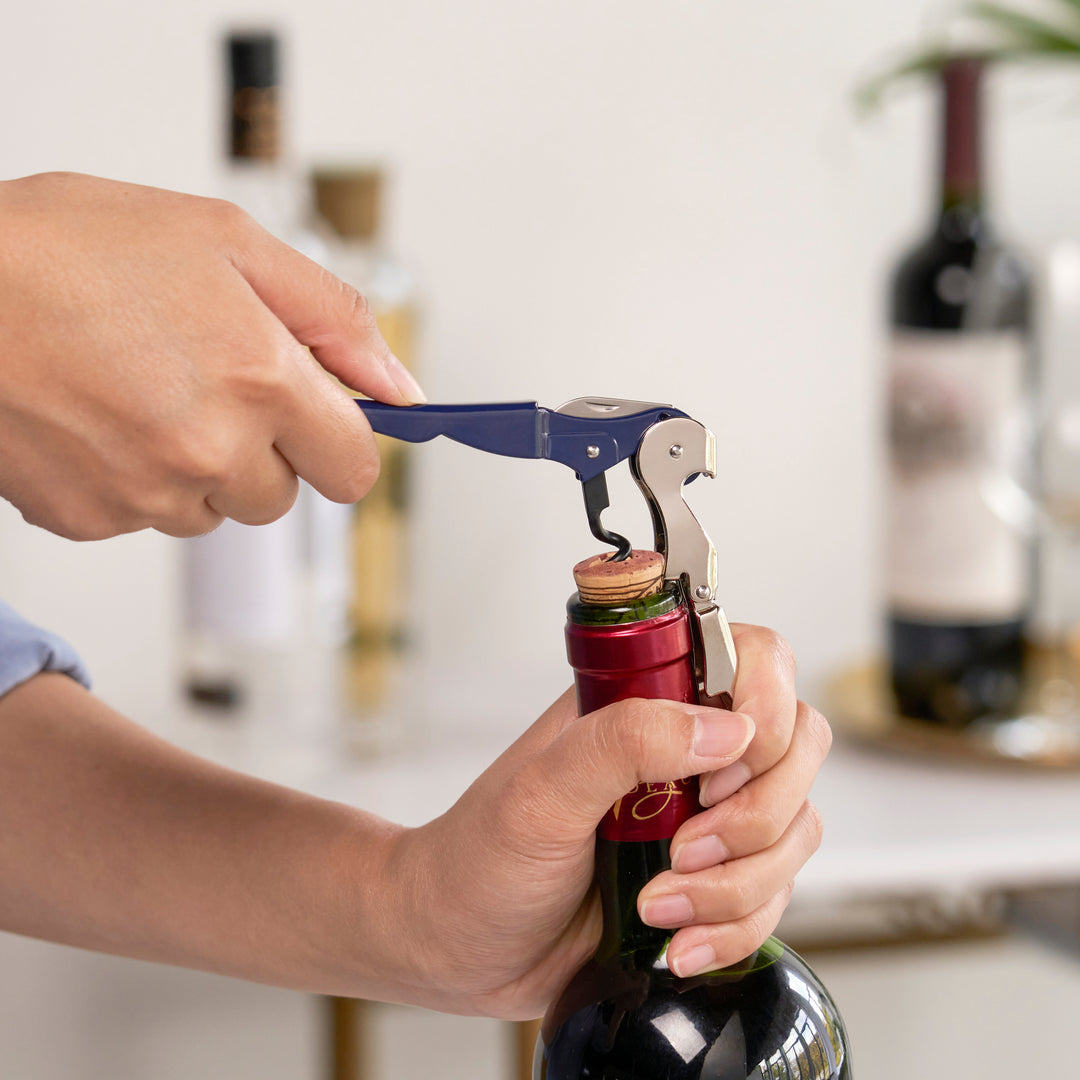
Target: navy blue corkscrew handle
589,445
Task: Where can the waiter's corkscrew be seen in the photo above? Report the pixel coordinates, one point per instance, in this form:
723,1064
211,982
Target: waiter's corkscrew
666,448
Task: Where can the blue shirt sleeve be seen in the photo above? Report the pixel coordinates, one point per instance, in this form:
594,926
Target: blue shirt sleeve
26,650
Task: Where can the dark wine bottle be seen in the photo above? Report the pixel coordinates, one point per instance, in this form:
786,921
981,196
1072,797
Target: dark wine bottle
961,386
625,1015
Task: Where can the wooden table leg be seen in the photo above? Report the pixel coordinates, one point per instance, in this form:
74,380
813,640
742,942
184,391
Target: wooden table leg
526,1032
346,1045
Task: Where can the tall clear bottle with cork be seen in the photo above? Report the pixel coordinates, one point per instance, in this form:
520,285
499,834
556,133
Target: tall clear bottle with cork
255,597
348,201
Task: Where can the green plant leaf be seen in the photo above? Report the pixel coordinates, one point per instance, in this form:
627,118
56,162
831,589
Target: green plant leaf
1020,38
1033,34
868,96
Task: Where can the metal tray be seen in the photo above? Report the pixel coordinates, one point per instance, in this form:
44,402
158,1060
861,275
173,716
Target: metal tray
1045,733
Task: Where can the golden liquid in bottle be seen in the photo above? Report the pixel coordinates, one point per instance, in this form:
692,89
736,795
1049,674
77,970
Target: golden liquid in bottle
378,546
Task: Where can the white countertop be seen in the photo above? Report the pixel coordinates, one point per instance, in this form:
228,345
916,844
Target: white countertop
897,824
893,824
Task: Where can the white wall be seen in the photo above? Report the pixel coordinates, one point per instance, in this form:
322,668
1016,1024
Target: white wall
673,202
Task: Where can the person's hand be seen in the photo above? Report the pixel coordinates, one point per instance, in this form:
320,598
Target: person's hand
498,892
127,844
154,370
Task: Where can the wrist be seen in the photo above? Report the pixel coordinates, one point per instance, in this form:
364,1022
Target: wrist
425,957
357,914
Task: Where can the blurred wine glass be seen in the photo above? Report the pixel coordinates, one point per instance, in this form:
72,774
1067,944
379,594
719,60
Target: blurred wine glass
1053,706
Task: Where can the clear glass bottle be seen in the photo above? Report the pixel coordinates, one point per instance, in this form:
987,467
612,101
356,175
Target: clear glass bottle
264,605
348,200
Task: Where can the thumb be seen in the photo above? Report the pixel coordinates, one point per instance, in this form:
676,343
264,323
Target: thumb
327,315
595,761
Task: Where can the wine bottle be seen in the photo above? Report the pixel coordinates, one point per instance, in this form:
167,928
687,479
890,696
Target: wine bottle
961,383
625,1015
349,201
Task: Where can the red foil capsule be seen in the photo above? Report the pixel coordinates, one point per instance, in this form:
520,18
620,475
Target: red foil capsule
650,658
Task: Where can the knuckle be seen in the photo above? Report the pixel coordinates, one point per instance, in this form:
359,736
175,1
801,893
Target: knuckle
643,737
818,728
759,924
198,455
155,505
629,724
813,823
359,481
363,465
257,381
759,823
83,526
737,893
226,217
782,651
272,505
361,313
186,526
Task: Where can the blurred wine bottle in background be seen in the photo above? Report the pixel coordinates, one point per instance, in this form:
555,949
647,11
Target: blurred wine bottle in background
960,414
349,202
257,599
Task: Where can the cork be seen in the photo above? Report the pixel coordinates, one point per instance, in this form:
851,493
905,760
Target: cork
348,199
601,581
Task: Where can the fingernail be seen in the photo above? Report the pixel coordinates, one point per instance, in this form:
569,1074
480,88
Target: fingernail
718,733
724,782
693,961
698,854
671,910
403,380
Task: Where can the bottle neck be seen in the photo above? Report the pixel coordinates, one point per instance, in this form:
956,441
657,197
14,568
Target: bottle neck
961,148
257,176
623,869
638,648
254,178
255,125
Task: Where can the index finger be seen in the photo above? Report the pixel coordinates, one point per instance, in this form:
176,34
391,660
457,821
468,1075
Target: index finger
324,313
765,691
324,436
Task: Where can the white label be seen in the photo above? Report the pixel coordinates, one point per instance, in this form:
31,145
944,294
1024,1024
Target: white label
959,439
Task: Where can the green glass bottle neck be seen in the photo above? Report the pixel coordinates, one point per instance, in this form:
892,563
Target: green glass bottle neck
626,611
623,869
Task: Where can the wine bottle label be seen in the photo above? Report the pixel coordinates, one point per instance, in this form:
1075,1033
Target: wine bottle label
651,811
959,452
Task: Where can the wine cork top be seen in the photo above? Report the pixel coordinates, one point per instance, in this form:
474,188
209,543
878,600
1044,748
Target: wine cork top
603,581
